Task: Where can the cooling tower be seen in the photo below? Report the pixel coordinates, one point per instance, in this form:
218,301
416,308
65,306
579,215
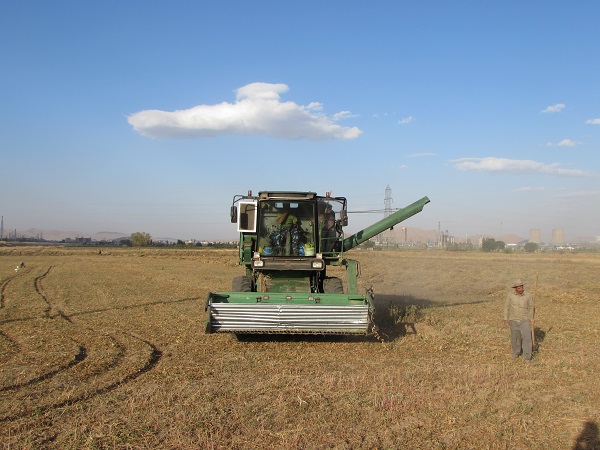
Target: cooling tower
534,236
558,236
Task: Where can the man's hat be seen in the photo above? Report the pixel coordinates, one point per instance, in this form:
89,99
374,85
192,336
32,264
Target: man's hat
517,283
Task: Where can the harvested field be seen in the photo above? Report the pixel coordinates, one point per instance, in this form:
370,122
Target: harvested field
108,351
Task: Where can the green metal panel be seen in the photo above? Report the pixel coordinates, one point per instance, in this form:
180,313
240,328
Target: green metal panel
352,276
302,298
292,313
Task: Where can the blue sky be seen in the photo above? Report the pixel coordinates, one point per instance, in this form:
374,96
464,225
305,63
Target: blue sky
150,116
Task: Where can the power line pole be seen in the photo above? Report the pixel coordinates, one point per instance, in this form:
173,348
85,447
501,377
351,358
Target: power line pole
388,236
388,201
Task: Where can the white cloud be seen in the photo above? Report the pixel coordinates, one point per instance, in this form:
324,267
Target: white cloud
593,121
531,189
420,155
406,120
554,108
515,166
342,115
258,110
582,194
564,143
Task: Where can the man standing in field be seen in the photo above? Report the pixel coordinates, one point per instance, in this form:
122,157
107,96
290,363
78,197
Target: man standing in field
517,312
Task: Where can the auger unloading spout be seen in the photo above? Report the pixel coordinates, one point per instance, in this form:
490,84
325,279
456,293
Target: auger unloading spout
388,222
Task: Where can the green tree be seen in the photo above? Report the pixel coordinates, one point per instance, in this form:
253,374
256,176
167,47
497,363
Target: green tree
531,247
492,245
140,239
488,245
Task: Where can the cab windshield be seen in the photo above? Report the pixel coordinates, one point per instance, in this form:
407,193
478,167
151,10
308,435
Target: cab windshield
286,228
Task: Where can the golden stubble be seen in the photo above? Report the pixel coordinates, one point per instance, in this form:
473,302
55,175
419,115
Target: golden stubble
109,351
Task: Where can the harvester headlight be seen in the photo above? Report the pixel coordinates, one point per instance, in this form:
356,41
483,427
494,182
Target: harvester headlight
317,264
258,263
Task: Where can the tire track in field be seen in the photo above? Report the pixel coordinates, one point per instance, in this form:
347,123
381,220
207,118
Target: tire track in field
37,283
15,347
152,361
115,308
3,285
7,280
139,305
80,356
52,311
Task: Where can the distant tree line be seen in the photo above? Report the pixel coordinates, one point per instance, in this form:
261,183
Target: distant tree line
531,247
492,245
140,239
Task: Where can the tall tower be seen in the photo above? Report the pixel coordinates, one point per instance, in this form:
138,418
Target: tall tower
388,201
387,236
558,236
534,236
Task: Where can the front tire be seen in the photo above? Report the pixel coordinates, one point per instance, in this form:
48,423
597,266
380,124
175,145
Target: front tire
333,285
241,284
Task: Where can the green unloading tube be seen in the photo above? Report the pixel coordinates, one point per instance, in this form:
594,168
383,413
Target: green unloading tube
384,224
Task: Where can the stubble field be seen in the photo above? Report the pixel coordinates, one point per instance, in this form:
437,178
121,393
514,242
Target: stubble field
108,351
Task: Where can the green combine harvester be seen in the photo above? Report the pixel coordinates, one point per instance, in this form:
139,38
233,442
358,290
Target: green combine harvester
287,242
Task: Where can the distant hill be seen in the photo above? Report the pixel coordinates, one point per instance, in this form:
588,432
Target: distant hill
511,239
61,235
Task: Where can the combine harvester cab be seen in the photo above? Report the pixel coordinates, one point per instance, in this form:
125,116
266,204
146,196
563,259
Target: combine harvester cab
287,242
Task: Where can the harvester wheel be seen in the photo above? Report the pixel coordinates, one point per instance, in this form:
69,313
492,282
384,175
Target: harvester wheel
241,284
333,285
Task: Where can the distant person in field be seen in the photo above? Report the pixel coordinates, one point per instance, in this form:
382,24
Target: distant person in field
517,314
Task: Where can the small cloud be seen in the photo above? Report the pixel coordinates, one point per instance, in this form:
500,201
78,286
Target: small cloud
420,155
515,166
258,110
406,120
593,121
582,194
402,166
342,115
531,189
554,108
564,143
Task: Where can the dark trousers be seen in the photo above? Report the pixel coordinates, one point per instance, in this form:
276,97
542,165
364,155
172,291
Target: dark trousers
520,338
